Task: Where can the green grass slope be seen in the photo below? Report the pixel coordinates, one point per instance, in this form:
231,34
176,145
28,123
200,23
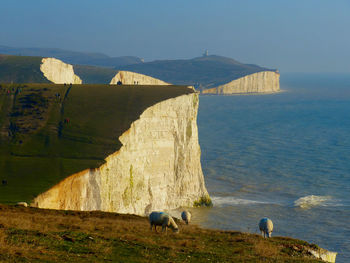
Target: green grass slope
208,71
18,69
45,137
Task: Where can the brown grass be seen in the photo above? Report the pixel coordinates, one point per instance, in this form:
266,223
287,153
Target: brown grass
34,235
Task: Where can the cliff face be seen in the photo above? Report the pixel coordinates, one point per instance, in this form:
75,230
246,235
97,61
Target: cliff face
261,82
58,72
128,77
158,167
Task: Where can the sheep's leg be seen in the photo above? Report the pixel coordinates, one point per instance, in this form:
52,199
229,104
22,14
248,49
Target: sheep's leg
164,228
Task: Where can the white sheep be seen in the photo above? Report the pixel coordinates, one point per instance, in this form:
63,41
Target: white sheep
186,216
164,220
266,227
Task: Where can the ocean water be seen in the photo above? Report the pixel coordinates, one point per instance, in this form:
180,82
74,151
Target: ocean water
285,156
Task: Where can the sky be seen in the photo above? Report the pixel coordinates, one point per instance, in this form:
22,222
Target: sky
293,36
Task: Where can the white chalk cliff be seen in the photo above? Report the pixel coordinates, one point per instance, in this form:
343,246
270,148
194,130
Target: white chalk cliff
261,82
158,166
131,78
58,72
324,255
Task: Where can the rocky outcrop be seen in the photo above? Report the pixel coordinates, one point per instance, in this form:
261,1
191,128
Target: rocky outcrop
158,166
261,82
323,254
131,78
58,72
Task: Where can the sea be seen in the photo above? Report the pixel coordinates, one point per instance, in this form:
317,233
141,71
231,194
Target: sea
285,156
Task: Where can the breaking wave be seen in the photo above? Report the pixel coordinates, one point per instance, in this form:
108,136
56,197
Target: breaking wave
310,201
229,200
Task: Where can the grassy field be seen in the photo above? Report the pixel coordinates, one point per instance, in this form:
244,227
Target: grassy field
48,131
20,69
38,235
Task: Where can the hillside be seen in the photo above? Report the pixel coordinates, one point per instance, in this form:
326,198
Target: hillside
202,72
95,75
208,71
36,235
72,57
49,131
20,69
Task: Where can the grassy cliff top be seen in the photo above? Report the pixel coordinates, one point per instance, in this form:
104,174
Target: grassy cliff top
48,131
20,69
39,235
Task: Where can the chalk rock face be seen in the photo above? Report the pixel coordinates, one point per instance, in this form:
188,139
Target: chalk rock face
261,82
58,72
157,168
131,78
324,255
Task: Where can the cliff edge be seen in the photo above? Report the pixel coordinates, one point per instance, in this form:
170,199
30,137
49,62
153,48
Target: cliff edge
58,72
158,166
131,78
261,82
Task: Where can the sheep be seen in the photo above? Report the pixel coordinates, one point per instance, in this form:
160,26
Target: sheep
164,220
266,227
186,216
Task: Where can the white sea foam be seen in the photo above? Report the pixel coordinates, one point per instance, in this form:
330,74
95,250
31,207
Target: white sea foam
230,200
310,201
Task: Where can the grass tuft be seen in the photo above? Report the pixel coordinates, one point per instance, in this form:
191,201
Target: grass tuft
203,201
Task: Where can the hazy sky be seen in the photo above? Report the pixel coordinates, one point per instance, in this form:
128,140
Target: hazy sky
294,36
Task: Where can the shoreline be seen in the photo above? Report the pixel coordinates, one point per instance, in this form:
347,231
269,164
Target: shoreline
245,94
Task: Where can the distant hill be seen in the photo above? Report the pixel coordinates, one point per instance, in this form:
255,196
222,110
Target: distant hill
21,69
208,71
95,75
73,57
202,72
26,69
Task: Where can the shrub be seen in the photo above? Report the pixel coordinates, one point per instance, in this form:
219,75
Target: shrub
203,201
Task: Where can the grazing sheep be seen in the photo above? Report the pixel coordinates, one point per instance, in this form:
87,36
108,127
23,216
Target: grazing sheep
164,220
22,204
266,227
186,216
